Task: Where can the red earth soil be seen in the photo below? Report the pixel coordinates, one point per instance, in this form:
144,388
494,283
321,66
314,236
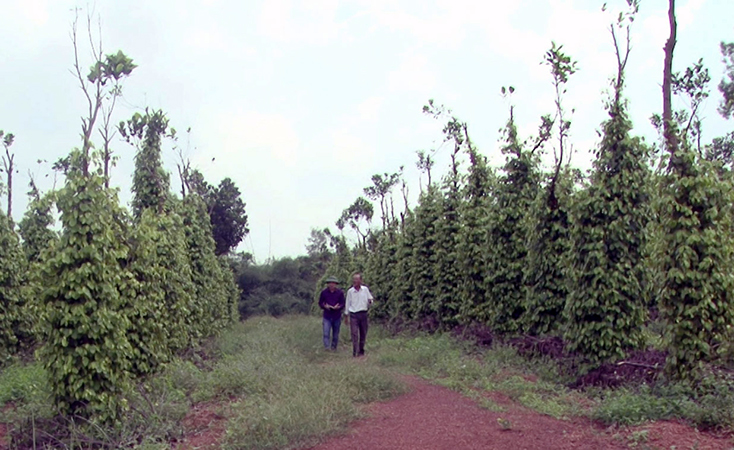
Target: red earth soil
434,417
204,428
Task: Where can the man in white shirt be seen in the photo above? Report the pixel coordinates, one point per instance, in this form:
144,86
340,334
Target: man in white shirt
359,300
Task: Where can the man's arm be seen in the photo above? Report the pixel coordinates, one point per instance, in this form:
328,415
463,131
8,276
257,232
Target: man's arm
369,295
347,303
322,301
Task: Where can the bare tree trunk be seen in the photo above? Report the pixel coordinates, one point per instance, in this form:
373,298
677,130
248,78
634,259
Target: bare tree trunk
107,137
669,133
9,167
404,189
94,99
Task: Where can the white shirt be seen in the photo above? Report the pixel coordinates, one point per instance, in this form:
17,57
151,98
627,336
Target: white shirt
358,300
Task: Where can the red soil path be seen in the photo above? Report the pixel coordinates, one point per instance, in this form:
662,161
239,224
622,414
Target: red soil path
434,417
204,428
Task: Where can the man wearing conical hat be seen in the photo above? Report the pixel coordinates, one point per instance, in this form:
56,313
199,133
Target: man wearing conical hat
332,302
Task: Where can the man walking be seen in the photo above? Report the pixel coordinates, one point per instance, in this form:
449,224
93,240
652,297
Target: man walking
332,302
359,300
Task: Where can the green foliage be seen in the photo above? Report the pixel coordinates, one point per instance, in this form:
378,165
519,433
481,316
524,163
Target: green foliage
472,245
707,405
35,228
282,286
605,308
696,300
726,86
446,269
421,271
228,217
114,66
379,271
549,242
87,353
400,289
358,212
515,192
232,291
15,321
210,311
150,181
157,314
548,238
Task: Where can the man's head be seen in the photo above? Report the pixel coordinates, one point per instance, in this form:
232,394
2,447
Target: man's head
331,283
357,280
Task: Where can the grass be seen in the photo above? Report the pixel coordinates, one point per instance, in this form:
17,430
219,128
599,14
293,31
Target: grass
470,371
271,378
278,388
292,391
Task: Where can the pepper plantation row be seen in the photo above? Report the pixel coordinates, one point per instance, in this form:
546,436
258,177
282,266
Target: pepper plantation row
523,250
115,294
112,294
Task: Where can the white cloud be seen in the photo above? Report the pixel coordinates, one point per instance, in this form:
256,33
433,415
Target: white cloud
311,22
206,38
687,13
348,150
413,75
369,109
34,11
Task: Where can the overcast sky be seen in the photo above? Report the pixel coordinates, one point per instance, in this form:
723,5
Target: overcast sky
301,101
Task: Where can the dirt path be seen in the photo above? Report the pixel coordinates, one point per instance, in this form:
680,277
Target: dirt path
434,417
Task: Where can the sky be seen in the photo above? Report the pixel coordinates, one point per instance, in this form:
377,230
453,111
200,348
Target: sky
300,102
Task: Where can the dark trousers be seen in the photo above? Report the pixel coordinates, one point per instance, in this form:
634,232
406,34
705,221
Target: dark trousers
358,325
331,332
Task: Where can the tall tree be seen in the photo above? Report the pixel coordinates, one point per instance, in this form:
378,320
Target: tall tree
425,163
548,240
696,300
228,217
605,308
105,69
382,186
357,215
507,235
473,235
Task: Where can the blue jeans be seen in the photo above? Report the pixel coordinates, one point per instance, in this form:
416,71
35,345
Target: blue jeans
331,332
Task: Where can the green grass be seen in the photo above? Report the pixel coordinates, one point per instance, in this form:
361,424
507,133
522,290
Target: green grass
277,385
295,392
469,370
